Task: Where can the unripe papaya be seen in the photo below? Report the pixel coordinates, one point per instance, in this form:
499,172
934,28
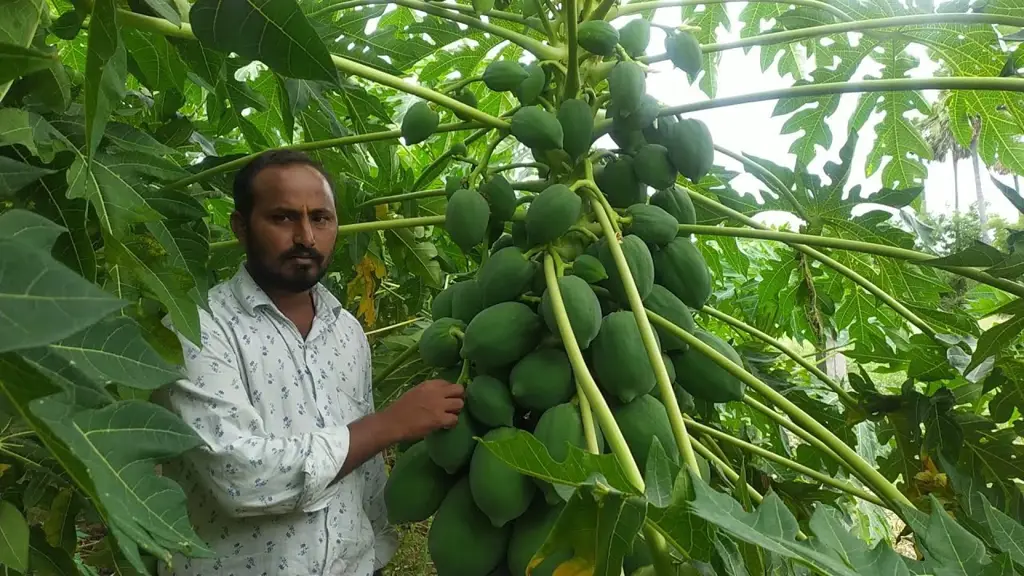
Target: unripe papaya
620,360
416,486
652,224
501,334
462,540
542,379
641,118
670,368
581,307
452,184
481,6
466,217
441,305
704,378
504,75
660,130
668,306
451,448
577,122
627,84
617,180
499,491
467,300
634,38
536,128
503,241
489,401
500,197
653,167
676,201
504,276
533,86
641,267
467,97
519,236
683,398
684,51
552,213
628,140
691,149
589,269
597,37
440,342
680,267
419,123
641,421
529,532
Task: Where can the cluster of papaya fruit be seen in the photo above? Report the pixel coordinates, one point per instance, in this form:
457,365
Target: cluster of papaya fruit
497,330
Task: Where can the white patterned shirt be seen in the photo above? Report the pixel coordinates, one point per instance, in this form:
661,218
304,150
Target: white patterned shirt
273,410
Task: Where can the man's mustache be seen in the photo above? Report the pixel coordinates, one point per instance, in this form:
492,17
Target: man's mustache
302,252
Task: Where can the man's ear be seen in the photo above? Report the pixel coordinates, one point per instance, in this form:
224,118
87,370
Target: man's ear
238,226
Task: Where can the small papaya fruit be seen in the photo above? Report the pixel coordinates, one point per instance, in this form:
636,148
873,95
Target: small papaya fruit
529,532
577,122
620,360
489,401
500,197
680,267
467,97
691,148
668,306
453,184
467,300
451,448
617,181
482,6
638,259
441,305
641,118
597,37
642,420
536,128
462,540
634,38
504,75
676,201
685,52
499,491
416,486
542,379
533,86
589,269
440,343
503,241
552,213
519,236
504,276
704,378
419,123
466,217
653,167
501,334
581,307
628,140
652,224
627,85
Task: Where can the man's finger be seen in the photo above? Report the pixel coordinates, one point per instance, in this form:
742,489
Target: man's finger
454,405
449,420
454,391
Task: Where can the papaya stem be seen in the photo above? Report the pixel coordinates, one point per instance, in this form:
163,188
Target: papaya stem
804,435
782,460
345,229
431,193
572,76
586,232
602,412
485,158
515,165
463,8
725,469
738,324
428,174
587,415
464,373
668,396
878,483
460,83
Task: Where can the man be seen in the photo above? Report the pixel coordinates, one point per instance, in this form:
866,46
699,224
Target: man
290,479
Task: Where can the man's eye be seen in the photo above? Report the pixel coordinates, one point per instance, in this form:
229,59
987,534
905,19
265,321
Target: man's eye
279,218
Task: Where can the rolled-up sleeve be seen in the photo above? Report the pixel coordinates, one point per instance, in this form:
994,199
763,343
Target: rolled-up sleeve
247,470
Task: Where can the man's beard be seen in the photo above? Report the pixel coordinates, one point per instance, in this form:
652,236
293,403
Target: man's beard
295,279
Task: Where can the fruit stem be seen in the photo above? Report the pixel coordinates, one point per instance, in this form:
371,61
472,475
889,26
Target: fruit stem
485,158
542,15
358,227
603,413
878,483
402,197
572,76
668,396
586,232
515,165
464,373
725,469
589,432
460,83
738,324
434,169
804,435
782,460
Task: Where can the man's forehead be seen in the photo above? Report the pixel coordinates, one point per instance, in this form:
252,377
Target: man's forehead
293,184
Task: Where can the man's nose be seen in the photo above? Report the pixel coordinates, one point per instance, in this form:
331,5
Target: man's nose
304,233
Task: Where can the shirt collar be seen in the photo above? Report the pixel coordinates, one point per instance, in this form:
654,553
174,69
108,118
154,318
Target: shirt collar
251,297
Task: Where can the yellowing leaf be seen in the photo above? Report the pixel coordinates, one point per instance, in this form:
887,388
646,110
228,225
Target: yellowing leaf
380,210
571,567
364,285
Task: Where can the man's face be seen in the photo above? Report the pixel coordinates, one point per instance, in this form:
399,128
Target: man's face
289,238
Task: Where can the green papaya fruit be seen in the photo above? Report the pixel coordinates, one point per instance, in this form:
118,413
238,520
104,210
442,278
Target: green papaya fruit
597,37
680,267
499,491
659,131
519,236
683,398
467,97
500,197
676,201
467,300
441,305
668,306
416,486
589,269
502,334
529,532
440,343
504,75
504,276
581,307
627,85
466,217
577,120
542,379
670,368
451,448
652,224
642,420
641,118
653,167
620,360
533,86
684,51
489,401
641,267
419,123
628,140
704,378
691,148
482,6
536,128
617,180
634,38
67,25
552,213
462,540
453,184
503,241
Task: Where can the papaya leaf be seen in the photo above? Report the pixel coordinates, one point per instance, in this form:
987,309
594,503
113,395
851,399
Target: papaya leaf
105,70
524,453
1009,193
275,32
659,476
418,256
978,254
14,535
1006,534
996,338
15,175
159,65
29,228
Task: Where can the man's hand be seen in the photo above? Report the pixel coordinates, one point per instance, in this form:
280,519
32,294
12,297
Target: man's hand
431,405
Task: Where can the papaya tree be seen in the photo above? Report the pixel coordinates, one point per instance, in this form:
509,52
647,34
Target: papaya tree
645,362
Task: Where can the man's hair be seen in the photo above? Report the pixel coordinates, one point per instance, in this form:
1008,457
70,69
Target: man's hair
242,188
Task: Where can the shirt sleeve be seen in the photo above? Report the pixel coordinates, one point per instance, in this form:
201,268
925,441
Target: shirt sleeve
247,470
385,536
